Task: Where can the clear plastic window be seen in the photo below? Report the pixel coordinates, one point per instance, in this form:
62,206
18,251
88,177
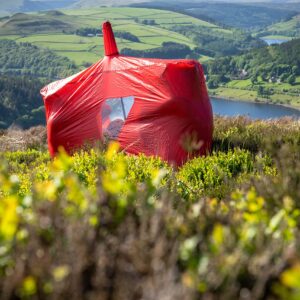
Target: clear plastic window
114,113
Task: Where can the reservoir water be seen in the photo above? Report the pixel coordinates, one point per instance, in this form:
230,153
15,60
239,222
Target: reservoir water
252,110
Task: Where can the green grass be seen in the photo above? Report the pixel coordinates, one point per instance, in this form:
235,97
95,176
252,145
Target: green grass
276,86
83,49
243,90
161,17
232,93
239,84
286,29
80,57
10,37
277,37
287,25
204,58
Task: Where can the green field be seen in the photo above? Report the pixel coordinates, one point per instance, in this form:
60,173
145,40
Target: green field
287,25
46,30
283,93
277,37
283,30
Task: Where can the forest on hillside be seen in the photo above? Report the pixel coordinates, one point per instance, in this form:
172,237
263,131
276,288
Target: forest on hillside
20,101
217,44
29,60
24,70
277,61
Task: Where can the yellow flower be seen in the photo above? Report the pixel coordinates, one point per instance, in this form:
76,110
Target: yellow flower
8,217
29,286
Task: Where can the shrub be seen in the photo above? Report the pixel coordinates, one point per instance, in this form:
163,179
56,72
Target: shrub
106,225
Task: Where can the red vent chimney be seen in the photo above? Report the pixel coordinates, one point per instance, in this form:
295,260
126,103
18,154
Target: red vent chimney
110,45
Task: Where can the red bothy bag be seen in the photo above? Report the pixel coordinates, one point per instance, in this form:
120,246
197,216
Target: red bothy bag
153,106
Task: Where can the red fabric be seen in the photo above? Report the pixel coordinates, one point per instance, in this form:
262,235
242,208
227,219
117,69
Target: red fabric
110,46
170,103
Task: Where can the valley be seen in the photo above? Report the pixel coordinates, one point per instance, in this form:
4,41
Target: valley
52,44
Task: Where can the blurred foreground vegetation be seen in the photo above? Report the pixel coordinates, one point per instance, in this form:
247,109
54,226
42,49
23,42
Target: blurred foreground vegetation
104,225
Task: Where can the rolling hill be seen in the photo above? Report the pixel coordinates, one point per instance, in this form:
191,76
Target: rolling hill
56,30
240,15
289,28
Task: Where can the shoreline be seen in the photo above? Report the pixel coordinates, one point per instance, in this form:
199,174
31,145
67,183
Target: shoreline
251,101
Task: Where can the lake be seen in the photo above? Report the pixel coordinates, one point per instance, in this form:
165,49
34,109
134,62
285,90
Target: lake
251,109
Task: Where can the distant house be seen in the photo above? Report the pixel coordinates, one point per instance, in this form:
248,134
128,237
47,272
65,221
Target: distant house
272,79
91,35
243,74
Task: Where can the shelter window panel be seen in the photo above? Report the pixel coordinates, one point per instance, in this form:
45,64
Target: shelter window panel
114,113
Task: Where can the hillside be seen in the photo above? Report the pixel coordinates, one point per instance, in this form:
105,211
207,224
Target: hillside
240,15
24,70
263,61
103,225
56,30
289,28
20,102
271,73
27,59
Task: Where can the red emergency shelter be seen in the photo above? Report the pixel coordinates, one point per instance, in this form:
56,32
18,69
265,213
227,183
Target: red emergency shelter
149,106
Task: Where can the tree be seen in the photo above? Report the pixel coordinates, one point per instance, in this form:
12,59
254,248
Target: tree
254,79
295,70
27,59
291,79
261,91
22,101
212,84
284,77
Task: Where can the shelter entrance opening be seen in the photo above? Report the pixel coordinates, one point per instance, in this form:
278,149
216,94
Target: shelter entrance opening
114,113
